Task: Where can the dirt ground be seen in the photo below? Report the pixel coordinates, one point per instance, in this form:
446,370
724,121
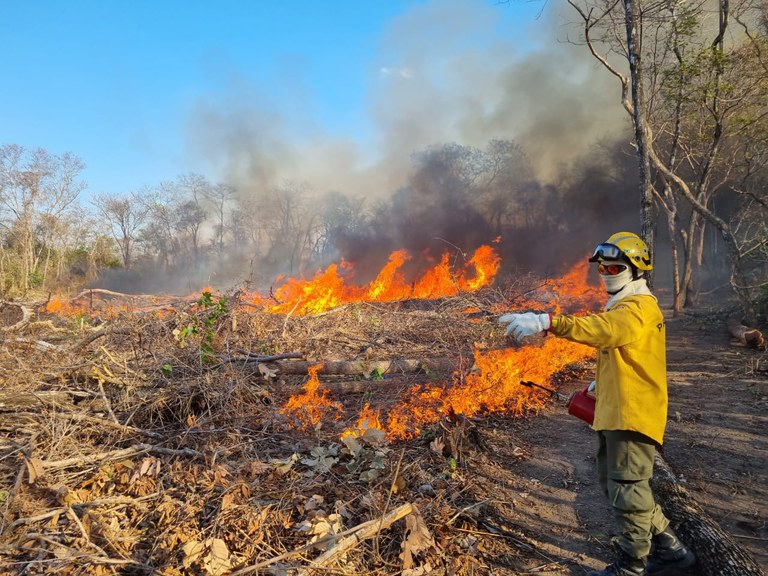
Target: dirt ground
716,441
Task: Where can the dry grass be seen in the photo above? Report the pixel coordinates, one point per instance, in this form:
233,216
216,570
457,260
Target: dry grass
140,454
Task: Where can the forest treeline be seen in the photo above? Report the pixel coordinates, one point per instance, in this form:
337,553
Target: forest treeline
191,232
705,81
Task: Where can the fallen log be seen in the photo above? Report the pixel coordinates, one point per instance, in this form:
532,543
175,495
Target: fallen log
367,368
112,456
717,552
31,400
13,316
748,336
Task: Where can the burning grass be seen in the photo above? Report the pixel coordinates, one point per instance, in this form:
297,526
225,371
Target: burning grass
181,440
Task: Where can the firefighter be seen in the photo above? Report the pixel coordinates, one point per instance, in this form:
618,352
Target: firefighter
631,410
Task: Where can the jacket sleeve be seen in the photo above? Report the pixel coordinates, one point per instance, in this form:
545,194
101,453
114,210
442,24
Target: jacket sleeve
621,325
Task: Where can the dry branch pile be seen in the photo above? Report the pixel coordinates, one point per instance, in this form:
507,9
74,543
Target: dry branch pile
155,442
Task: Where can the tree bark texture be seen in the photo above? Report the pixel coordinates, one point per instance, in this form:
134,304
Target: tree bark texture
647,214
717,552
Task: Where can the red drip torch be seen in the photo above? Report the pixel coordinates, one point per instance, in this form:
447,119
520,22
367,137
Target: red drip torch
580,404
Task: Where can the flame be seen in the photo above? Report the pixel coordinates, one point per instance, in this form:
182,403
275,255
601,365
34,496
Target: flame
368,419
63,306
493,386
330,288
333,287
310,408
573,289
325,291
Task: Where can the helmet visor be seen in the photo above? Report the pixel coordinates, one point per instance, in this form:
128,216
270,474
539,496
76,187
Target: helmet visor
606,252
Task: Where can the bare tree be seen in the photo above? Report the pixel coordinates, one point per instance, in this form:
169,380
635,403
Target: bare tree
125,217
220,196
36,189
191,212
340,218
158,233
693,117
289,225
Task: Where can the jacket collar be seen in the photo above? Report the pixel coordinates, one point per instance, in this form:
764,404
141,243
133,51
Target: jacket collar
634,288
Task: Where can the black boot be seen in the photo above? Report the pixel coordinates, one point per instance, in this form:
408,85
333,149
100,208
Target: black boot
668,554
626,565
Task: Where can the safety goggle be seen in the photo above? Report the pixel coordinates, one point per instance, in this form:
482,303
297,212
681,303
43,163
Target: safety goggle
606,252
610,269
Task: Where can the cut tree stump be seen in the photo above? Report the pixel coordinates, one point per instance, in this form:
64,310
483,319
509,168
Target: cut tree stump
751,337
717,552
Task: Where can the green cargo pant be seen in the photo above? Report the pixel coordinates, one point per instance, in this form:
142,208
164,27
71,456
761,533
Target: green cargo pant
625,467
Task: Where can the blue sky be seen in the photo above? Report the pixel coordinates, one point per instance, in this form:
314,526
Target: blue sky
143,91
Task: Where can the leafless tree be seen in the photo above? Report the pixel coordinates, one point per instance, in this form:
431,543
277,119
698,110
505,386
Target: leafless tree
36,189
220,197
191,212
124,215
699,92
289,225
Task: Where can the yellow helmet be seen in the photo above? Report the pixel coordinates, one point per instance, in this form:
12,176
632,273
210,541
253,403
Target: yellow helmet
625,246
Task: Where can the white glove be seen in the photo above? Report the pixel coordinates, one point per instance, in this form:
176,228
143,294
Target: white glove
591,387
526,324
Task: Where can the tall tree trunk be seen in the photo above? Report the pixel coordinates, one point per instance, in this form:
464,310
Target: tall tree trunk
647,215
677,305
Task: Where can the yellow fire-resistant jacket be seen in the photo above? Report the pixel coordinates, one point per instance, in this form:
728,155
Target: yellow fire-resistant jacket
631,363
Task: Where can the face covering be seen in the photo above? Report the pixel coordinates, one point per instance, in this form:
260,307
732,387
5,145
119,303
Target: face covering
615,283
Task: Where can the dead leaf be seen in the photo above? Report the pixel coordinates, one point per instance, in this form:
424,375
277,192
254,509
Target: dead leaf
217,561
266,372
149,467
320,526
374,436
227,501
437,446
192,549
65,496
314,502
520,453
284,466
354,447
259,468
399,484
213,554
418,539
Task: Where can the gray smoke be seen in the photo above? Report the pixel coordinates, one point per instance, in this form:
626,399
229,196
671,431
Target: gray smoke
434,79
